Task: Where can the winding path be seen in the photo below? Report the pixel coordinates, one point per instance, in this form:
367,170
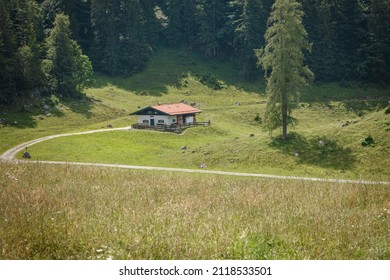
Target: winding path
11,153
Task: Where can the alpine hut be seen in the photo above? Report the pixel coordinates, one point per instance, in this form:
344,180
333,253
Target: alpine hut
179,114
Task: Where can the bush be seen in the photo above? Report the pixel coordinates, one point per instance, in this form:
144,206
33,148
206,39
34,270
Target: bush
258,119
211,81
368,141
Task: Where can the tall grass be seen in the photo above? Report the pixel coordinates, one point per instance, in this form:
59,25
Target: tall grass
66,212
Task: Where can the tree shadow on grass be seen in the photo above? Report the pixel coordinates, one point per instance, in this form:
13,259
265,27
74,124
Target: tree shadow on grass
82,106
320,151
18,120
362,106
26,115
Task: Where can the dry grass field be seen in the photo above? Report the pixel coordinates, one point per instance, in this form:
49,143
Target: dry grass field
67,212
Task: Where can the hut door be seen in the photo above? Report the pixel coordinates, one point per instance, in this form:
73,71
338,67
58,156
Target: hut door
152,122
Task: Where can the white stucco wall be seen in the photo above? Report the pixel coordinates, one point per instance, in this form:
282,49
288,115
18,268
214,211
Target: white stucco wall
168,120
190,119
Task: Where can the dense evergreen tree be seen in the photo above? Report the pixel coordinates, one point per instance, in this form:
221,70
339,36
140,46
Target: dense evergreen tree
349,35
376,47
7,56
251,25
120,46
282,60
79,12
150,22
68,70
319,21
182,21
28,30
215,33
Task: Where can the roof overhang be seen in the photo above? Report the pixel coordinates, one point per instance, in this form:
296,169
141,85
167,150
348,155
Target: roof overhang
170,110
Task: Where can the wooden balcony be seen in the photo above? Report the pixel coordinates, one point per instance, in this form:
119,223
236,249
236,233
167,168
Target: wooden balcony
170,128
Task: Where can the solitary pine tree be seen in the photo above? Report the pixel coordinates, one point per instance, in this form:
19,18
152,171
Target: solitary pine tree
283,62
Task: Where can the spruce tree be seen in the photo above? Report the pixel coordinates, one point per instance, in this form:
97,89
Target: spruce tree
214,29
182,21
8,73
319,21
350,36
283,62
250,26
375,67
149,21
68,70
28,29
120,46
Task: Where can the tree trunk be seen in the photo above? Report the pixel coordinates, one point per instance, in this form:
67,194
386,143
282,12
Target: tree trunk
284,93
284,115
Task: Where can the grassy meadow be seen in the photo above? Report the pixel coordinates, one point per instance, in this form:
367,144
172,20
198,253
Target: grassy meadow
70,212
66,212
235,112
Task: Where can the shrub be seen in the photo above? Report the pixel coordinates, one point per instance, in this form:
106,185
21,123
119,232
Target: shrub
211,81
258,119
368,141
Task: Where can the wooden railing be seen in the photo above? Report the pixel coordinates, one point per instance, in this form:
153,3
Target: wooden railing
197,124
172,128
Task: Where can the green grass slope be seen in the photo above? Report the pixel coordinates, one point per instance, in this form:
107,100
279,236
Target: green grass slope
319,146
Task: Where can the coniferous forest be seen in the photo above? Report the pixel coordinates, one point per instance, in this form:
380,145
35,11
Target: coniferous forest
54,46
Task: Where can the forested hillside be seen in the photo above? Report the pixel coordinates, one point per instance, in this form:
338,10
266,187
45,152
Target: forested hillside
51,46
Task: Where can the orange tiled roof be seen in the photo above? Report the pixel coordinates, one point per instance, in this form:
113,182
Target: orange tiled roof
176,109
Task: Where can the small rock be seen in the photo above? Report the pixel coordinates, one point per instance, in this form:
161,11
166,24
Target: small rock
46,107
15,122
343,124
109,125
238,103
296,154
251,135
183,148
202,165
321,143
41,118
48,114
